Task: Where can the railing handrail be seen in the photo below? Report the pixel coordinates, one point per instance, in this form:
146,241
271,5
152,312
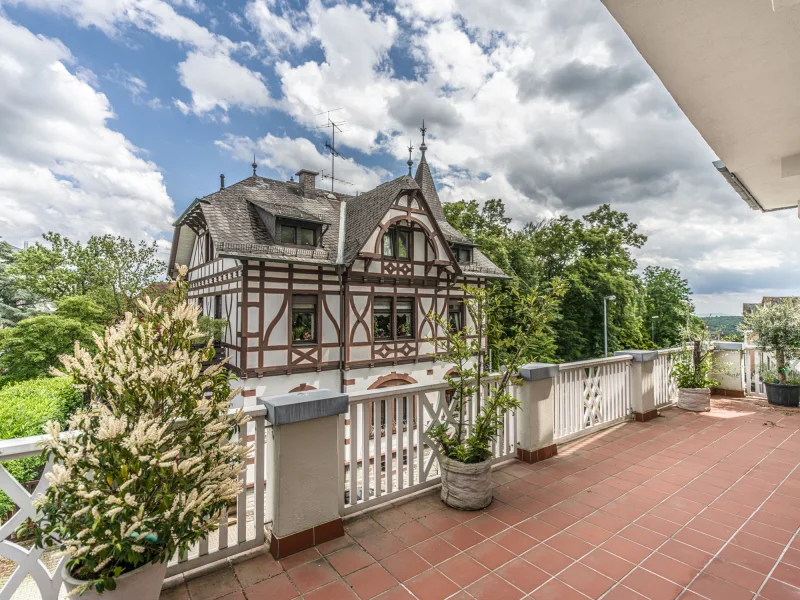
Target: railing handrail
25,447
406,390
664,351
594,361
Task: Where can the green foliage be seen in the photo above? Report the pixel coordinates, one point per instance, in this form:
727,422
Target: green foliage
464,350
24,409
771,376
15,303
668,305
776,329
211,328
727,327
148,466
693,367
594,256
110,270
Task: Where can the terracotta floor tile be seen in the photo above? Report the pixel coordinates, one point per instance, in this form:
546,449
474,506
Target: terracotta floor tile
349,560
275,588
575,508
651,586
490,555
685,554
463,570
396,593
462,537
788,574
391,518
620,592
363,527
420,507
338,590
586,580
546,558
570,545
589,533
382,545
435,550
537,529
557,590
608,564
370,582
214,585
624,548
712,528
607,521
529,505
431,585
645,537
556,518
301,558
777,590
493,587
335,544
699,540
405,565
746,558
659,525
758,544
507,514
735,574
438,522
412,533
515,541
669,568
523,575
257,569
713,587
486,525
773,534
312,575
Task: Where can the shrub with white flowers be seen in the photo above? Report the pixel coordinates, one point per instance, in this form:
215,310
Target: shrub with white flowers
147,468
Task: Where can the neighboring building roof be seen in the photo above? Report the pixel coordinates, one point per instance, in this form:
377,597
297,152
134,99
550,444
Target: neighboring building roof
749,307
241,219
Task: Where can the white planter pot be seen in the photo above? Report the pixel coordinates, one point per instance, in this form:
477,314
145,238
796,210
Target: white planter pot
466,486
695,399
143,583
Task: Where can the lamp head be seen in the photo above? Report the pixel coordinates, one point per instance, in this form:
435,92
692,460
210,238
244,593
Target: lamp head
612,298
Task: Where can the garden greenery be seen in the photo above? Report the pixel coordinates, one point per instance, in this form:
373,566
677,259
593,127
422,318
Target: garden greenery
775,328
469,377
147,468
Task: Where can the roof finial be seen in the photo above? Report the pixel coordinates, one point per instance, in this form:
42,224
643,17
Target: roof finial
410,162
423,129
254,165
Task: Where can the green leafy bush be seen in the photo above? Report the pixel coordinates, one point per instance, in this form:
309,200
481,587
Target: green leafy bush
211,328
771,376
775,328
693,367
25,407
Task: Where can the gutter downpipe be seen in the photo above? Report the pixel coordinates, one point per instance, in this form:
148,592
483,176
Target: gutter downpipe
340,270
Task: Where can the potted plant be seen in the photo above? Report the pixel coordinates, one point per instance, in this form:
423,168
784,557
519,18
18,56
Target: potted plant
692,371
775,328
145,470
465,448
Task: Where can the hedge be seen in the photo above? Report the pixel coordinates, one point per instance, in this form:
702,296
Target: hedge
24,409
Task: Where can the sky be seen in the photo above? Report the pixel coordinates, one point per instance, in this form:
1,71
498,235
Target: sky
116,114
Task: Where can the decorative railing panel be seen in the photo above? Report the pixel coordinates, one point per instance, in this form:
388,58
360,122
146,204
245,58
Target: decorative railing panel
387,452
664,386
591,394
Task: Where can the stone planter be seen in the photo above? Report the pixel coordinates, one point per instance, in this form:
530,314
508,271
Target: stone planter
783,395
466,486
695,399
143,583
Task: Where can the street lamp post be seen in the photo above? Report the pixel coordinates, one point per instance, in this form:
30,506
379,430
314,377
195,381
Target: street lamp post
653,328
605,321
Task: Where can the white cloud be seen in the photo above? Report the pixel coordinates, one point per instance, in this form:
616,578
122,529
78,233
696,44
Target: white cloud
136,86
61,167
279,32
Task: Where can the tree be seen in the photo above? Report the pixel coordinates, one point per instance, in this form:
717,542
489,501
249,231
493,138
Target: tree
111,270
668,299
32,347
776,329
15,303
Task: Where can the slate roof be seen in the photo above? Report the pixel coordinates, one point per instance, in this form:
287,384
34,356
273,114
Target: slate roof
241,219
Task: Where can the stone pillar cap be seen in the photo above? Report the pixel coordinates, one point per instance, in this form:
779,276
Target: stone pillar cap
536,371
639,355
303,406
729,345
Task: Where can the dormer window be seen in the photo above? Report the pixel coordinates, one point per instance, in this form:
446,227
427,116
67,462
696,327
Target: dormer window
297,233
462,254
396,243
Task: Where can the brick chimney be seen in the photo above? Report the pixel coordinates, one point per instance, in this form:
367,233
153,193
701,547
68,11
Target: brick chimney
308,181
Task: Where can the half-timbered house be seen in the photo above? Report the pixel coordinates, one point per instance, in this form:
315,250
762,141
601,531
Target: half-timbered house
325,290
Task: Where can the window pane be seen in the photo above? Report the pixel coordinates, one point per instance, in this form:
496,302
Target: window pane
287,234
402,243
383,326
388,246
304,322
307,236
455,316
405,322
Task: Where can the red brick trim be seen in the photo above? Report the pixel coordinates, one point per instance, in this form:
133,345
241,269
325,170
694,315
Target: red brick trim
392,377
533,456
303,387
349,382
248,393
297,542
644,417
429,371
729,393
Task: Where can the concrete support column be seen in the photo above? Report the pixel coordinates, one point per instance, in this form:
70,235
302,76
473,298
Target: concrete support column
642,383
536,414
303,464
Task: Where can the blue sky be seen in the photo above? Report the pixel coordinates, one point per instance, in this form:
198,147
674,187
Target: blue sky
115,114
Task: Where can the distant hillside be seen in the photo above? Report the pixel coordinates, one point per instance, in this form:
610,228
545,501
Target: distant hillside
726,325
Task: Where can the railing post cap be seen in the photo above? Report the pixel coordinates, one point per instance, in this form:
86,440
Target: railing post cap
303,406
729,345
536,371
639,355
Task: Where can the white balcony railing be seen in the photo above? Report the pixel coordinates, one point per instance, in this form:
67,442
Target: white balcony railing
664,386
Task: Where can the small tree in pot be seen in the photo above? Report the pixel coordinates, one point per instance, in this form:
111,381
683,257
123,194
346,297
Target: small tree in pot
145,471
692,371
465,448
776,329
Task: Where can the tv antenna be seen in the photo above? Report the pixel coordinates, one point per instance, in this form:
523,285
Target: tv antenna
334,126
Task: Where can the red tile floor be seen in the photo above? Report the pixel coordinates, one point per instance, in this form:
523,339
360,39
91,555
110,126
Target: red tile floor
685,506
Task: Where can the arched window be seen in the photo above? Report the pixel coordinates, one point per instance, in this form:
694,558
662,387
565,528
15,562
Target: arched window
397,243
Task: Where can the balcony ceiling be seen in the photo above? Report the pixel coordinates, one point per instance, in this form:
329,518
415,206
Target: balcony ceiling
733,66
